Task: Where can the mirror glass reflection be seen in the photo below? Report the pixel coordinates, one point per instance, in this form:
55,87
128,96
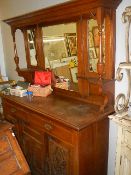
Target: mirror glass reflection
32,48
20,47
60,51
93,44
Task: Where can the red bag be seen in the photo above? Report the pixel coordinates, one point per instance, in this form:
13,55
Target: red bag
42,78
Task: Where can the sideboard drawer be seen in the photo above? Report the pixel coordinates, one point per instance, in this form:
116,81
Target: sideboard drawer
37,121
9,108
15,111
50,127
58,131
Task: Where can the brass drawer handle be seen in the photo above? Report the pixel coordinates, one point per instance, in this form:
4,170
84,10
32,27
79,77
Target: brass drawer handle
13,110
48,127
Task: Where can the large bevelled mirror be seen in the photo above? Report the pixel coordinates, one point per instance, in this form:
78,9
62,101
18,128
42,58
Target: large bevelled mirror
94,44
60,51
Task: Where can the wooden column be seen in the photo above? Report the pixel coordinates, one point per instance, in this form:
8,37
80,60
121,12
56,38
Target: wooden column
83,57
100,20
39,47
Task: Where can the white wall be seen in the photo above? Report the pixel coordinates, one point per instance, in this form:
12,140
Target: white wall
120,87
11,8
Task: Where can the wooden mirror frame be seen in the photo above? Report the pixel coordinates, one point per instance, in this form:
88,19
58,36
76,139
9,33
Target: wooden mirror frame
96,88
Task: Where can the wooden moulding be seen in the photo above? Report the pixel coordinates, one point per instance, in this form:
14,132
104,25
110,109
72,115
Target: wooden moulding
59,13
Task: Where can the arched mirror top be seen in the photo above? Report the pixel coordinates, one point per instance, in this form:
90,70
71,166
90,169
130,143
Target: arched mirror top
24,40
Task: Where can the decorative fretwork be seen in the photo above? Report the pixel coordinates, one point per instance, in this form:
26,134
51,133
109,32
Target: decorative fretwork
122,100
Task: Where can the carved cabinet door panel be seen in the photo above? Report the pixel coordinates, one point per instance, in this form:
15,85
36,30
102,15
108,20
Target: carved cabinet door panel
33,149
57,157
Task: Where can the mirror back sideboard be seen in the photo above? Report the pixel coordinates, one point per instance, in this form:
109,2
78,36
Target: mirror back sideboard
87,53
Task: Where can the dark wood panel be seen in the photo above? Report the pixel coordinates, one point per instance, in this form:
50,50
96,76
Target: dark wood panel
57,157
33,150
96,138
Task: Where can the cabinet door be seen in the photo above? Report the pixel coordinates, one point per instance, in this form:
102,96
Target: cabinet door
57,157
125,163
33,149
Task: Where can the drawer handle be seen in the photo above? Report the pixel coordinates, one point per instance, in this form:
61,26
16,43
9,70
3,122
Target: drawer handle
48,127
13,110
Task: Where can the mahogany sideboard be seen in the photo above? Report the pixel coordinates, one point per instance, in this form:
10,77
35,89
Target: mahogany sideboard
58,136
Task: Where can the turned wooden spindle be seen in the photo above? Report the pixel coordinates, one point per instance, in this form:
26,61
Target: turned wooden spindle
16,58
100,20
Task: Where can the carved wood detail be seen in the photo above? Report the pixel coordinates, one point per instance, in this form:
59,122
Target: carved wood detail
57,160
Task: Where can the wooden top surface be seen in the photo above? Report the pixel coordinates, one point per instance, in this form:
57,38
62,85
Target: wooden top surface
74,114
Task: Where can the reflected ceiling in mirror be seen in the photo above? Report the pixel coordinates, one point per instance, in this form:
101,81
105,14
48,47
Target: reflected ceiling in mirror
60,51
